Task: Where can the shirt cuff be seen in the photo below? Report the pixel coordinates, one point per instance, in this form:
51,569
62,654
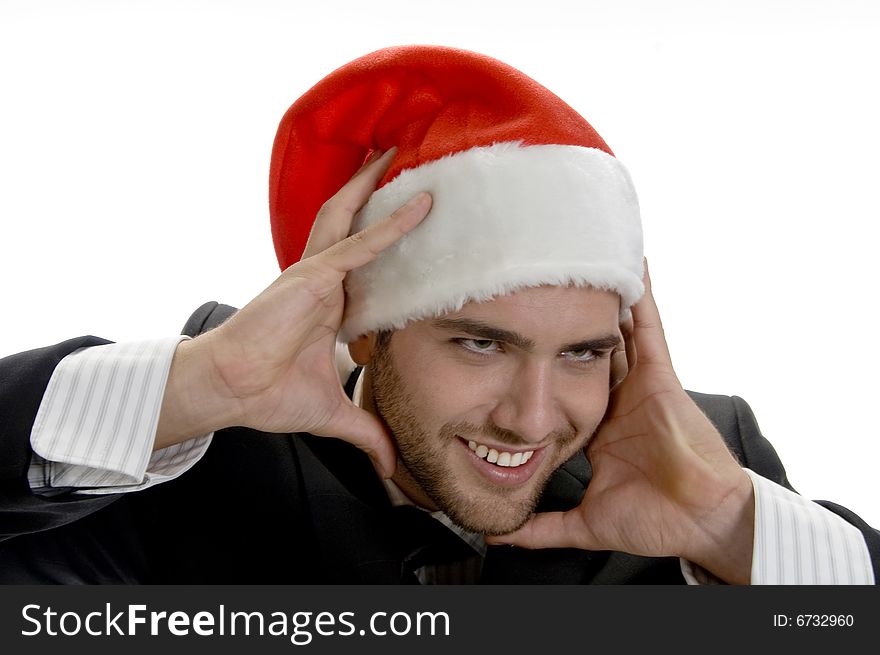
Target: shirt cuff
797,542
96,424
800,542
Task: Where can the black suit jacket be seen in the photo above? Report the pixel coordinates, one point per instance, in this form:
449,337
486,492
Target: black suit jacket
280,509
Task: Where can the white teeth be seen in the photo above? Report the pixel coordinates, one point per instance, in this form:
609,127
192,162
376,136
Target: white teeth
502,458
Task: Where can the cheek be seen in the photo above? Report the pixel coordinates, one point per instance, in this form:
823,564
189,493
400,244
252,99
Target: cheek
449,392
586,401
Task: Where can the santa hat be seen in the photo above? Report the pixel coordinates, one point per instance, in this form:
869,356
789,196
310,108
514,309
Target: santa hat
525,192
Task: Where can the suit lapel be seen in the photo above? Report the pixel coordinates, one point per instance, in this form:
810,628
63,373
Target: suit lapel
351,516
357,536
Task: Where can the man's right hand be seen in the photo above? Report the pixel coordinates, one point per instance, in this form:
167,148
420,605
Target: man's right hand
272,365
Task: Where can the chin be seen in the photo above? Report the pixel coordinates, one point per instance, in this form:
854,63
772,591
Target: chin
491,514
492,522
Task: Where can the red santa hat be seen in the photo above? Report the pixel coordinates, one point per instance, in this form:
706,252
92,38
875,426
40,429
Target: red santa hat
525,192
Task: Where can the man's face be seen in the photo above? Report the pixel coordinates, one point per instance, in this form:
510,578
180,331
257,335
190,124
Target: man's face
486,402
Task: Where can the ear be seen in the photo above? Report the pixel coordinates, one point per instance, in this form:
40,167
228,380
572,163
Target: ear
361,349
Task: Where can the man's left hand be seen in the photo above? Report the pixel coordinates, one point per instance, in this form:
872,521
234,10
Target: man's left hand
664,482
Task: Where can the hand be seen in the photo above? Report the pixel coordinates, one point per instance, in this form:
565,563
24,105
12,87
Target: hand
272,365
664,482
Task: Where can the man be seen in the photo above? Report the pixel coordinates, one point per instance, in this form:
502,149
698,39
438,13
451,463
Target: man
512,360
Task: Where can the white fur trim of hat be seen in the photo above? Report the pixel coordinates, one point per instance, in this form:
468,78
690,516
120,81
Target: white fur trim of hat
504,217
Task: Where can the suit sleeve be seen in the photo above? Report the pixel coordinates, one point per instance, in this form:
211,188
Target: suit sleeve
23,381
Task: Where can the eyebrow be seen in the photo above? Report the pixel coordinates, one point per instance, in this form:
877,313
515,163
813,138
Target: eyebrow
490,332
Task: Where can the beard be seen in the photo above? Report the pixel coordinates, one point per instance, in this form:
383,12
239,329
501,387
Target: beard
477,505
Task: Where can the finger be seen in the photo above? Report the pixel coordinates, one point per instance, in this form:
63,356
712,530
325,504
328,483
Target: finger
333,222
548,530
367,432
623,356
648,337
626,329
365,246
619,368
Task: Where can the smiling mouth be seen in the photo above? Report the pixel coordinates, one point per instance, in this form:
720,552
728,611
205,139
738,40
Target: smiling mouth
500,457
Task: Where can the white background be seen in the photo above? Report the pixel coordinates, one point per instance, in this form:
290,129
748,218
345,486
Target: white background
135,141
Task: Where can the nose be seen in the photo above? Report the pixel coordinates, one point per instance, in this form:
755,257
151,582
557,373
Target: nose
528,405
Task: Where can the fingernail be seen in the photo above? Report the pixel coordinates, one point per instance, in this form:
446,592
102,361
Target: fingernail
387,154
420,200
377,465
381,469
415,210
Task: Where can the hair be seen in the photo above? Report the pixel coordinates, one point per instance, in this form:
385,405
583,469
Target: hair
383,338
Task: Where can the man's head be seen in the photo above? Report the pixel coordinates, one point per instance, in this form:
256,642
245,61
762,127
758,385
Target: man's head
486,402
502,306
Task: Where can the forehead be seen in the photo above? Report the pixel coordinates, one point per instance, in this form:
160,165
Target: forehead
547,309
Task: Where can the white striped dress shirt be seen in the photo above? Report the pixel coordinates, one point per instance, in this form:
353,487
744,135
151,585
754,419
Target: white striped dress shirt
96,425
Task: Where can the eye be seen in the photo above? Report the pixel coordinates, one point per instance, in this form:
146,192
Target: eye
481,346
580,356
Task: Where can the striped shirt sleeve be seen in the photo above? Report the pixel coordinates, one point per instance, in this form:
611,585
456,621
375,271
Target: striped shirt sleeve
798,542
96,424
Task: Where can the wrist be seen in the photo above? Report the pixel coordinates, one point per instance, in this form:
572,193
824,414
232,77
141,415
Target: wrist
192,405
726,540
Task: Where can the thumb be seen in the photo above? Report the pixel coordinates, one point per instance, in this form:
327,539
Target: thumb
364,430
548,530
